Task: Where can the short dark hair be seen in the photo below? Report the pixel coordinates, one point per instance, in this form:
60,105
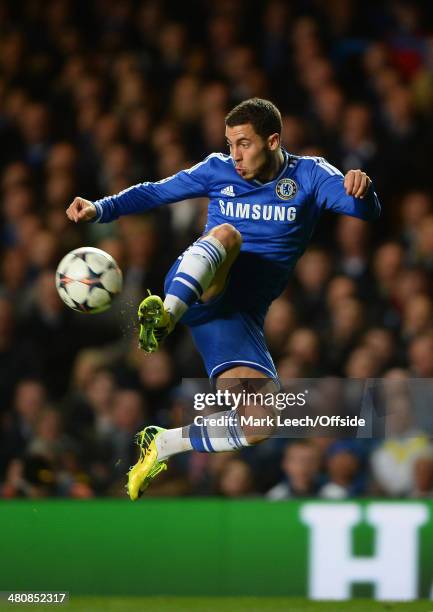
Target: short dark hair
261,114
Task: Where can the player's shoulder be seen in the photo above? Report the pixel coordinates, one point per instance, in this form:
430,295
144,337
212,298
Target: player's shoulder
212,160
301,166
305,160
219,159
309,163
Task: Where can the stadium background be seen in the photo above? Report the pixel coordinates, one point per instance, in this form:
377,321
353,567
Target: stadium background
97,96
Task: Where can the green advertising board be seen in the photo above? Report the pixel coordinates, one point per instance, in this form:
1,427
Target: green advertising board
322,550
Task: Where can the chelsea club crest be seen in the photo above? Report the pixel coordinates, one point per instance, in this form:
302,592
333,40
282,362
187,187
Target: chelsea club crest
286,189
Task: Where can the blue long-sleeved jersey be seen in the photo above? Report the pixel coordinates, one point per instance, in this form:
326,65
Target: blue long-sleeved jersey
276,219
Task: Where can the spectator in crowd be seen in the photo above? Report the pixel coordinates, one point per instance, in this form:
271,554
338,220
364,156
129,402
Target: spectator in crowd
280,321
303,347
301,468
236,479
393,461
344,467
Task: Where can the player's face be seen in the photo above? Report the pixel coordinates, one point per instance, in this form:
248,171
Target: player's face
252,154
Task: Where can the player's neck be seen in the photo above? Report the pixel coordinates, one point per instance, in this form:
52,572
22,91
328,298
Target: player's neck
272,168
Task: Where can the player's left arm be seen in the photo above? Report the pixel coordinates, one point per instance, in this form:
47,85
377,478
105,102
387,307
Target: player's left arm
352,194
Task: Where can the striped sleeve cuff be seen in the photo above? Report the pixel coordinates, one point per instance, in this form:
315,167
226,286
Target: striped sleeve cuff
99,211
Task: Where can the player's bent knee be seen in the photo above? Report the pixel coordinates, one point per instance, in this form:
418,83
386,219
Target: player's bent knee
228,235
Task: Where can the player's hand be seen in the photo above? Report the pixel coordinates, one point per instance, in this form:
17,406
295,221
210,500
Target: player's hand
356,183
81,210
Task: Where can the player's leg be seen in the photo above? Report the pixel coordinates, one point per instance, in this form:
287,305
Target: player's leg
243,378
201,275
231,343
249,423
219,438
157,444
232,241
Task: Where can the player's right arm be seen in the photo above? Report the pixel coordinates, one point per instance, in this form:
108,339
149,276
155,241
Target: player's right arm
190,183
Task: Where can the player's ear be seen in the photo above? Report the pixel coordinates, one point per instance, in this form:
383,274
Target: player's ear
273,141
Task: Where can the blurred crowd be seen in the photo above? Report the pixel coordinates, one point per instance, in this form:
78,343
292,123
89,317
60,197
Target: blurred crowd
100,95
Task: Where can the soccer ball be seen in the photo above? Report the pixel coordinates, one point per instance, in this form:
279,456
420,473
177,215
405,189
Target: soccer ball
87,279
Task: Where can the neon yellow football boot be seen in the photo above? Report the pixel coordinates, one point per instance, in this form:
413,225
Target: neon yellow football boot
147,467
155,323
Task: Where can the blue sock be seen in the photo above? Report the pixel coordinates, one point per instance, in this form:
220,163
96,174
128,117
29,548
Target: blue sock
226,436
194,275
